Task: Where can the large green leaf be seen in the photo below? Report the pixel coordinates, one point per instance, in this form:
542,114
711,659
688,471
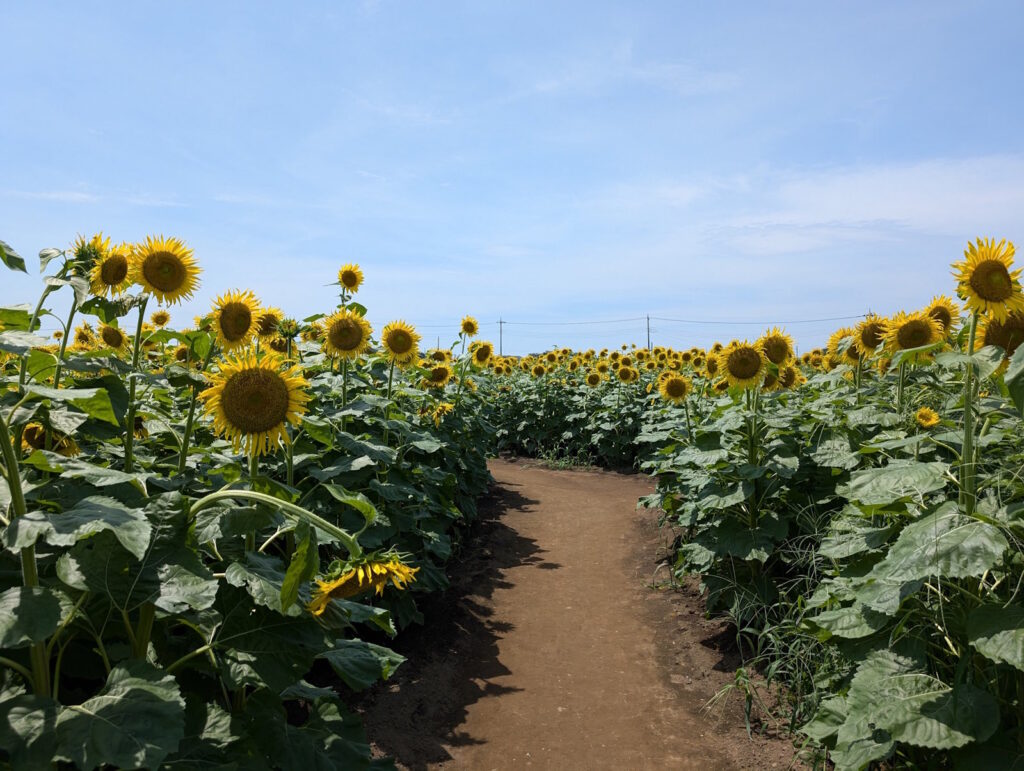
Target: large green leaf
896,482
16,317
27,723
850,622
138,719
998,633
27,615
19,342
86,518
11,258
94,402
263,577
1014,379
361,664
304,566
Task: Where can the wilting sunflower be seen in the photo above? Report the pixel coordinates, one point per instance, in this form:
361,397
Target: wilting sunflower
347,334
777,346
944,310
370,573
743,364
85,336
313,333
1007,334
234,318
927,417
267,322
722,386
593,379
790,377
438,375
675,388
251,400
113,337
911,330
469,327
33,437
160,318
400,341
985,280
869,334
350,277
481,353
442,409
110,273
166,268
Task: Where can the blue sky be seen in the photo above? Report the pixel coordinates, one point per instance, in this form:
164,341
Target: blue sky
535,161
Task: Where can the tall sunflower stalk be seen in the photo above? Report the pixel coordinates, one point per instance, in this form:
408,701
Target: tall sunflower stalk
133,379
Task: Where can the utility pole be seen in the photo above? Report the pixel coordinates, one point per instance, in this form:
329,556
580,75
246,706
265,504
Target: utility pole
648,332
501,337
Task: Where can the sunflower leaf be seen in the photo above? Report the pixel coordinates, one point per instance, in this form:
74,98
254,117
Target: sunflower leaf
46,256
11,258
1015,379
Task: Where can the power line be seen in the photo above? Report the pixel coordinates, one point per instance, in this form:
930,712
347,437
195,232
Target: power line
570,323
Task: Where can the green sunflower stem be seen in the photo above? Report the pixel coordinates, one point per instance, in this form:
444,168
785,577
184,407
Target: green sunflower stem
752,451
190,419
689,425
23,373
129,428
296,513
901,383
64,342
144,630
968,467
387,407
344,392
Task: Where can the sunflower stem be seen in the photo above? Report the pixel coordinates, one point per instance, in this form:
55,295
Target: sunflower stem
387,407
64,342
23,373
900,386
344,392
129,428
967,460
190,420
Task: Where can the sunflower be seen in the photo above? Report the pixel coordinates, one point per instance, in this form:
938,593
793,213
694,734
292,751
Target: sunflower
288,328
110,272
1007,334
90,252
906,331
350,277
160,318
838,338
442,409
469,326
944,310
482,353
279,344
313,333
33,437
181,353
743,364
347,334
166,268
711,365
868,334
926,417
400,341
371,573
438,375
777,346
113,337
234,318
538,370
85,337
722,386
675,388
593,379
627,374
439,354
984,280
267,322
251,400
790,377
602,367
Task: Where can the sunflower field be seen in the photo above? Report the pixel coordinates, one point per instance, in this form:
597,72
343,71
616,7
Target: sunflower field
201,525
855,512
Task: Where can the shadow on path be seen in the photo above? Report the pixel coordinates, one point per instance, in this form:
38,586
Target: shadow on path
453,657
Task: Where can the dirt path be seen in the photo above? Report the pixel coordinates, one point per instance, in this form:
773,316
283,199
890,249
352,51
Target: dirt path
553,649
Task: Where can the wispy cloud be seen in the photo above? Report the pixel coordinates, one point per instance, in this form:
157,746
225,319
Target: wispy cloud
84,197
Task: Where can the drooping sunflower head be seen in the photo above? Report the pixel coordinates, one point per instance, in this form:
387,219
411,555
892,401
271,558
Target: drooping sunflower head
790,377
1007,334
279,344
721,386
711,365
986,281
33,437
927,417
400,342
839,339
906,331
252,400
482,353
351,277
166,268
113,337
160,318
234,318
110,274
945,311
347,334
869,334
442,409
777,346
743,364
675,388
469,326
267,322
373,572
85,336
439,375
313,333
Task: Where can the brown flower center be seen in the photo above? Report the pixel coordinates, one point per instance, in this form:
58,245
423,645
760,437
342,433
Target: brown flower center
164,271
871,335
482,354
112,337
990,280
914,334
345,334
743,363
267,324
255,400
114,270
349,279
399,342
676,387
776,349
235,321
1008,334
788,377
942,315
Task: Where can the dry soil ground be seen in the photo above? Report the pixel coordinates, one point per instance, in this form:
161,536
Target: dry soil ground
556,648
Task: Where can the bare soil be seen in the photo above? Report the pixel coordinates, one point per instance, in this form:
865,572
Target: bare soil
559,645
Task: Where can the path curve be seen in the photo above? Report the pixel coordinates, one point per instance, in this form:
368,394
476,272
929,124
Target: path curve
554,649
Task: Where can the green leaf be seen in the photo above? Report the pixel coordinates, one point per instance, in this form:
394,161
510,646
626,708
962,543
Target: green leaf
357,501
46,256
41,364
86,518
11,258
889,484
304,566
998,633
94,402
138,719
16,317
835,453
27,615
19,342
263,577
1014,379
27,724
98,476
361,664
851,623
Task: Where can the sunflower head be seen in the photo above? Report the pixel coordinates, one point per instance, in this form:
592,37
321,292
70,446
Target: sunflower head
627,374
986,281
288,328
234,319
85,336
166,268
1007,334
482,353
267,322
721,386
160,318
313,333
400,342
252,400
593,379
373,572
743,364
438,375
945,311
110,273
926,417
790,377
113,337
346,334
469,326
675,388
351,277
777,346
538,370
869,334
33,437
906,331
